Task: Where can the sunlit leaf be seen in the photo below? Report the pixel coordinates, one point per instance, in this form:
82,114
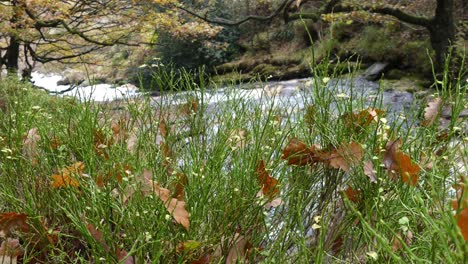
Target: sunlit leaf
431,112
67,177
11,221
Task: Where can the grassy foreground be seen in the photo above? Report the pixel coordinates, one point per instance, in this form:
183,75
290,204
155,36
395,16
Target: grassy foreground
333,182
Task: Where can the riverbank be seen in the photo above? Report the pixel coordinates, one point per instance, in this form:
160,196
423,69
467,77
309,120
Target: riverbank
262,174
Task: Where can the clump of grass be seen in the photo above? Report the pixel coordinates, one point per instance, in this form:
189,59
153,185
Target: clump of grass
195,150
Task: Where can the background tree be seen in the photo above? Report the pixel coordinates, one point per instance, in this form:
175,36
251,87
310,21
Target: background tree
441,25
69,31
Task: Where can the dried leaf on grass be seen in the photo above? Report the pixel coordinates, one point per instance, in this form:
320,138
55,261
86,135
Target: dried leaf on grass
121,254
163,129
237,138
175,207
269,186
132,143
462,222
190,107
67,177
396,242
30,145
461,205
298,153
399,163
11,221
10,251
362,119
119,130
239,247
369,171
353,195
345,156
431,112
239,250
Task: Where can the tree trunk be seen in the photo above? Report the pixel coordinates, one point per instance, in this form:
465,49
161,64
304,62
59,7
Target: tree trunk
13,50
12,56
442,32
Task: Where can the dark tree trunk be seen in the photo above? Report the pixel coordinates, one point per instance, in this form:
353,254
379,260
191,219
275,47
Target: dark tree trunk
12,56
442,31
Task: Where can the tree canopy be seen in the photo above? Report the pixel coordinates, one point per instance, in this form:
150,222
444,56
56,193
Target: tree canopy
57,30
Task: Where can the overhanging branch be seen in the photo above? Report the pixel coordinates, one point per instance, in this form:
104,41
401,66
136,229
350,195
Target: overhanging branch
225,22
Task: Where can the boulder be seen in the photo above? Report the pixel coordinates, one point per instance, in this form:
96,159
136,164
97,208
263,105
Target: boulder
376,70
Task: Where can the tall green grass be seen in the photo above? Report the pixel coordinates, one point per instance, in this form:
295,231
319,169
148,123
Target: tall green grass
316,222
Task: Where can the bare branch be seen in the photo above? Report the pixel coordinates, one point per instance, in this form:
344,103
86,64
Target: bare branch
225,22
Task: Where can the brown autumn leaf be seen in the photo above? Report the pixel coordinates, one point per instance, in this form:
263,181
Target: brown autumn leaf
98,236
431,112
396,242
409,238
462,222
391,148
124,257
121,254
190,107
268,184
297,153
55,143
3,105
10,250
119,130
353,195
363,118
369,171
239,249
30,145
345,156
204,259
163,129
408,170
462,195
398,163
11,221
101,143
179,187
237,138
67,177
175,207
119,171
132,143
